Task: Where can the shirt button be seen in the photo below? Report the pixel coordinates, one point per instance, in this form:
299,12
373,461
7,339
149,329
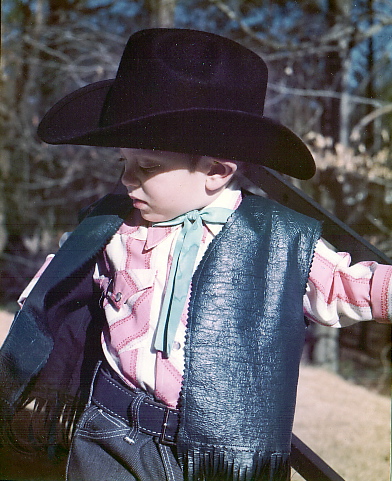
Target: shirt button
176,345
118,297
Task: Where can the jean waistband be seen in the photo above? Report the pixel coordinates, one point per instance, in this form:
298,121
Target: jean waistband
150,417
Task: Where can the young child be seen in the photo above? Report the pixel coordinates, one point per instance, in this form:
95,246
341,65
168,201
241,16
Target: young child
175,311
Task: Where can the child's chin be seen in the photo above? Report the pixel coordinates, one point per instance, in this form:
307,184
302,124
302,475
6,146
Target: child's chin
153,217
150,217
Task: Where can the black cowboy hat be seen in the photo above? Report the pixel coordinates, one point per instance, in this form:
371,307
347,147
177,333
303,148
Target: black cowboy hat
182,91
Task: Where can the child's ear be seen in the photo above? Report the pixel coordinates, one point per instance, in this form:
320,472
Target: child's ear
219,173
218,168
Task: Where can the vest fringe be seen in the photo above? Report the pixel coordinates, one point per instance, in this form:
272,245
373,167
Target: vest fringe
209,463
43,424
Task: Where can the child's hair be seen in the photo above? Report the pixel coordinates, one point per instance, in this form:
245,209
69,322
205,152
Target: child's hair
193,161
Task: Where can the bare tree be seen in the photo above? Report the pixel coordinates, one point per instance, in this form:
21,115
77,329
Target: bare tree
161,13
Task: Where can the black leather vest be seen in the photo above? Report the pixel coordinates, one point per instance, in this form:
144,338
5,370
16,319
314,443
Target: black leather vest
245,336
244,341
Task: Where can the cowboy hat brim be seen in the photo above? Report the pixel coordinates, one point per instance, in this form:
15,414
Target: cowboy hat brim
227,134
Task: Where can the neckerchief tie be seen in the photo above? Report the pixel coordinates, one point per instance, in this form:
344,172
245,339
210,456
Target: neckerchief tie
181,271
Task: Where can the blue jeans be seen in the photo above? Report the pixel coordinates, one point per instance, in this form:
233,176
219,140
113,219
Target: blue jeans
104,448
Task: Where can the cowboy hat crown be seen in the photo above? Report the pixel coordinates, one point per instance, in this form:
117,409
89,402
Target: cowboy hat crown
183,91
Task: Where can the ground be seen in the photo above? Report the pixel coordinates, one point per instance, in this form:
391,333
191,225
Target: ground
346,424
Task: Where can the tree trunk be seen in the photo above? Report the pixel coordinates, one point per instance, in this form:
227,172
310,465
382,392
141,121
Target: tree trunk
333,124
345,103
161,13
322,347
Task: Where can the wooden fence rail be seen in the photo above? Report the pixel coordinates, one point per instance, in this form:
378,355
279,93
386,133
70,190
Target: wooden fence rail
309,465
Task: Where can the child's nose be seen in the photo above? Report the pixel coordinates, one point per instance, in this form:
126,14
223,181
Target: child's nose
129,177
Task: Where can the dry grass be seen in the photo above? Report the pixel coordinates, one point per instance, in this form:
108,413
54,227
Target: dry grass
347,425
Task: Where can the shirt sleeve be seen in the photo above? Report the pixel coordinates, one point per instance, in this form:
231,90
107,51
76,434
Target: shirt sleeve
339,294
34,280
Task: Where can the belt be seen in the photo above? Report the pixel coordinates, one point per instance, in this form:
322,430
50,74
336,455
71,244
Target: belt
153,418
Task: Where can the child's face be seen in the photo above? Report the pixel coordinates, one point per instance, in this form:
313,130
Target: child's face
164,185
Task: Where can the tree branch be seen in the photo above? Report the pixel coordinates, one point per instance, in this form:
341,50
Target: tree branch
329,42
385,109
324,93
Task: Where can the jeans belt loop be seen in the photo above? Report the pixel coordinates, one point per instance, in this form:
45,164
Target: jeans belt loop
162,437
135,422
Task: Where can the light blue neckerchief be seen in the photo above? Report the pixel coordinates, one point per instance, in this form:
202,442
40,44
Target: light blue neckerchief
181,271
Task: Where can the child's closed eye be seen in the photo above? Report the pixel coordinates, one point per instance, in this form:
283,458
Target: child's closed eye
146,168
149,168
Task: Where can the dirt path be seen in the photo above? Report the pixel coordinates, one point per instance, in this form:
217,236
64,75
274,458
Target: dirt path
347,425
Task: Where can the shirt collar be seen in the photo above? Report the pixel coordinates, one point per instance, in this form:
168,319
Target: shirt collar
230,198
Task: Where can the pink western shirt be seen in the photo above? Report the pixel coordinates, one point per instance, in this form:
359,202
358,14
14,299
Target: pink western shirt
132,274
